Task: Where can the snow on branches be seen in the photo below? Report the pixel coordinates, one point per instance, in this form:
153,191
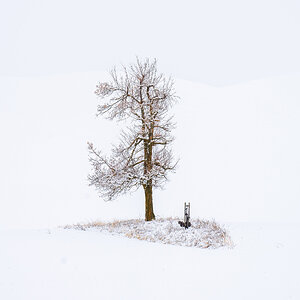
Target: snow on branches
142,95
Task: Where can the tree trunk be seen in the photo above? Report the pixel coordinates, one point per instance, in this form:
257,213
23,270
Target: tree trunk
149,214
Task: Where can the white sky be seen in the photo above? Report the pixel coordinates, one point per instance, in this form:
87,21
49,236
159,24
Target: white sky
216,41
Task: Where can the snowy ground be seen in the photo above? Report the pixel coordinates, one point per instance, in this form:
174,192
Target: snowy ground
71,264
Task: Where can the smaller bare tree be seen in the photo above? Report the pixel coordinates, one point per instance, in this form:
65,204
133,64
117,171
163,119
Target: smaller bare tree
143,158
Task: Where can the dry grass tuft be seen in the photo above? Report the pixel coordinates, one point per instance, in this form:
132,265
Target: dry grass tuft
202,233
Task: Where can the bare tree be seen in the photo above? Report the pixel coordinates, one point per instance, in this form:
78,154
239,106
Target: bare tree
141,94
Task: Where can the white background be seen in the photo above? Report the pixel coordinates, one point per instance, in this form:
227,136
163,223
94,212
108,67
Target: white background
237,139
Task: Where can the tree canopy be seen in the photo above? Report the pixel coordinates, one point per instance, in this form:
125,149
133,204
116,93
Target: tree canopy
143,157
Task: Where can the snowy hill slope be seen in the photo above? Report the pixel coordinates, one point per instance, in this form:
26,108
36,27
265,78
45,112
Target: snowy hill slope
239,148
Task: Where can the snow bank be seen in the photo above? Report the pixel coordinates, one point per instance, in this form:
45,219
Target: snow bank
73,264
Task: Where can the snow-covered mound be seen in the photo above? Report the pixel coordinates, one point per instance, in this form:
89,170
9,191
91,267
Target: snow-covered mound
201,234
